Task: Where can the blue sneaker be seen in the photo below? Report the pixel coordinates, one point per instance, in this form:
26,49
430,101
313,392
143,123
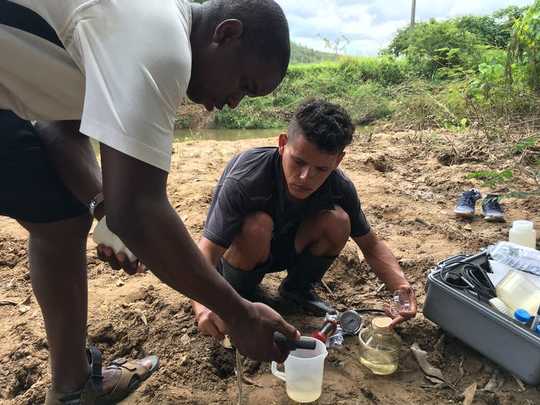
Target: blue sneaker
466,203
492,209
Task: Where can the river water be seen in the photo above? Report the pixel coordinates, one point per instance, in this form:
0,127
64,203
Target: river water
183,135
188,135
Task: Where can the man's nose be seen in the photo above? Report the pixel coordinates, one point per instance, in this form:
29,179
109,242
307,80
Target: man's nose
304,173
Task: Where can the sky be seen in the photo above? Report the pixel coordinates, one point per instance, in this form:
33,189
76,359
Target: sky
369,25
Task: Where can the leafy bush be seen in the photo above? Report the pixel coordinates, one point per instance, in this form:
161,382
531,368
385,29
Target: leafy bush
525,47
448,74
359,84
432,46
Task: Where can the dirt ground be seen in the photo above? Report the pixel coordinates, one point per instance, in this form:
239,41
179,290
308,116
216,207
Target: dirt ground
408,196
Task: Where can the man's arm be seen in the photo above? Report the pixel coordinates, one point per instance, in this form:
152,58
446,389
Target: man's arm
73,158
139,212
208,322
387,269
382,261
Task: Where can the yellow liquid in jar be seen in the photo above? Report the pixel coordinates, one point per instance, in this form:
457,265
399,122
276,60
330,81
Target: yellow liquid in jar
303,390
379,362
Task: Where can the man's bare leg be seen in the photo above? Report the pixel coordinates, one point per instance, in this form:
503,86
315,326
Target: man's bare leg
57,253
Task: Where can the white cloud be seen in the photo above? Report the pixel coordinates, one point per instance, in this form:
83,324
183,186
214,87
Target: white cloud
371,24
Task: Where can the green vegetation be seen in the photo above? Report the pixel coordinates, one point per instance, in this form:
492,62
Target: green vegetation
525,46
477,74
492,178
302,54
526,144
362,85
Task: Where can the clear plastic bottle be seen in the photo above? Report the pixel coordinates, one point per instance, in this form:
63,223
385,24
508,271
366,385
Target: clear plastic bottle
379,347
336,340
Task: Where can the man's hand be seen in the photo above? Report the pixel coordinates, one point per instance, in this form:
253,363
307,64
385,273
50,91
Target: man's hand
253,335
109,243
119,261
387,269
210,324
404,307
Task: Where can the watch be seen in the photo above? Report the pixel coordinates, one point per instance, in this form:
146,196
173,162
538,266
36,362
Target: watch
94,202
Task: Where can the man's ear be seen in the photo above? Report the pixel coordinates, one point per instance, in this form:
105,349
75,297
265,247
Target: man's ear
339,159
283,140
228,30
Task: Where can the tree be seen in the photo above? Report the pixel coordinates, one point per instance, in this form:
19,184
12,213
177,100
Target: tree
338,45
486,28
525,46
431,46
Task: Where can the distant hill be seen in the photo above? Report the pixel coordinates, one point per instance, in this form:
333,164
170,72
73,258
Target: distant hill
302,54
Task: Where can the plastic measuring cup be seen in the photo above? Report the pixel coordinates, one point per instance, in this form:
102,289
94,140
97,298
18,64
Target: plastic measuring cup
304,370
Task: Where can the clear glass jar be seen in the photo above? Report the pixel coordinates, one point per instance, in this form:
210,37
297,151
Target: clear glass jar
379,347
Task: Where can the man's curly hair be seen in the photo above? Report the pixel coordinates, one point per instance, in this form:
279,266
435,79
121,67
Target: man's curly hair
325,124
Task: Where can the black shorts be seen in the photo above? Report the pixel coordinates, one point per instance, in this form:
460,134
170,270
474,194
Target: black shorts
30,189
282,251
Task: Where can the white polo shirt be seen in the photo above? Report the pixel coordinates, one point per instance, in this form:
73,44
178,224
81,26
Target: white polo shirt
122,67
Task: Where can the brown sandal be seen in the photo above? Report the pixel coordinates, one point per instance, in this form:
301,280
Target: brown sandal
132,374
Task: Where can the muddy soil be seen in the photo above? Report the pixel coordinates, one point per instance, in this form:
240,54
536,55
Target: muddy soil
408,195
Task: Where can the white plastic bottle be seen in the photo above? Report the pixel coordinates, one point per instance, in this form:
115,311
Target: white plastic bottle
500,306
517,291
523,233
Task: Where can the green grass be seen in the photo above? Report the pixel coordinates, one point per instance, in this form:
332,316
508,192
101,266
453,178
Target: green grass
361,85
302,54
386,88
491,178
526,143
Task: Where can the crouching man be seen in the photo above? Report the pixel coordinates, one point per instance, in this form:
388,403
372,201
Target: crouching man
291,208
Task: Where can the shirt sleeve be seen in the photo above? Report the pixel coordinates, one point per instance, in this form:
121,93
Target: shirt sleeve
227,212
137,70
353,207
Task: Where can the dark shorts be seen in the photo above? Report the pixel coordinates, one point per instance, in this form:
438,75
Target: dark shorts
30,189
282,251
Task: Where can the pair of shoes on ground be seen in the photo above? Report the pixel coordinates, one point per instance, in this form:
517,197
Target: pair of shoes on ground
491,208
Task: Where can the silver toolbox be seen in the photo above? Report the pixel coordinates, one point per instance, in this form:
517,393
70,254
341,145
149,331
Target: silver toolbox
496,336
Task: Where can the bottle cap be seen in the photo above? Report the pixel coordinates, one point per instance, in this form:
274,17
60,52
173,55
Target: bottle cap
381,323
522,315
522,225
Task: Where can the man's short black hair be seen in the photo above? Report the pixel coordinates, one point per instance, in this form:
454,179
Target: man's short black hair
266,30
325,124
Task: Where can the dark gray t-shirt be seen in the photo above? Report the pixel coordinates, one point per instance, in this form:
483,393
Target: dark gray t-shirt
253,181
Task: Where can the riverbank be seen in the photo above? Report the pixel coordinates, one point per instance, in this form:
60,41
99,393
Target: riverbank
408,189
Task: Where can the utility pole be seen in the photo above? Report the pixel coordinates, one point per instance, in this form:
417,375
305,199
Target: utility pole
413,12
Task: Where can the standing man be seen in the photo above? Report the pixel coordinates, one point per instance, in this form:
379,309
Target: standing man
118,69
291,208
